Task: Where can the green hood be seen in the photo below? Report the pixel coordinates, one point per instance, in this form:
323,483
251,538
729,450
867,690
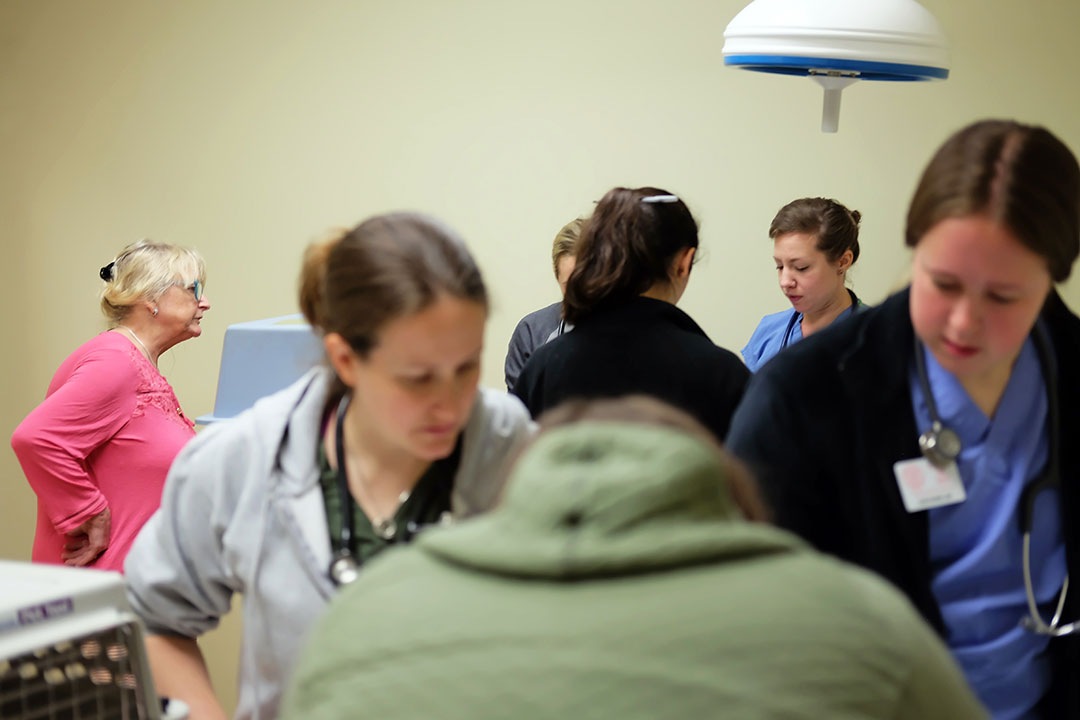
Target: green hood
608,498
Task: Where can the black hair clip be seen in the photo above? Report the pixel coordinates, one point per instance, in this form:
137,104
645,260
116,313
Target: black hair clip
106,272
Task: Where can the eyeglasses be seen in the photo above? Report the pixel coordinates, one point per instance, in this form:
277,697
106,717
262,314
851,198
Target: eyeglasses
195,287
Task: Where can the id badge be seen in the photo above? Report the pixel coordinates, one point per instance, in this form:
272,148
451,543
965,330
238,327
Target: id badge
923,485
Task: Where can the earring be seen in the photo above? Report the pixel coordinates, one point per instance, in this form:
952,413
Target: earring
155,311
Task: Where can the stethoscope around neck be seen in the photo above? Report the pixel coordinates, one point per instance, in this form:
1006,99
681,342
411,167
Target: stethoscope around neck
344,564
941,446
795,316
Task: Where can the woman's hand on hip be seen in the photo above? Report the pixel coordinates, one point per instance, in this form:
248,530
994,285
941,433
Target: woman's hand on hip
88,540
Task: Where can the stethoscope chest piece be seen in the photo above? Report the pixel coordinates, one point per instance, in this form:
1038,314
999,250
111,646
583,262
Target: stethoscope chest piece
343,569
940,445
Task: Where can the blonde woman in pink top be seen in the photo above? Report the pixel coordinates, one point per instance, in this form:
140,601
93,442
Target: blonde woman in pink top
97,449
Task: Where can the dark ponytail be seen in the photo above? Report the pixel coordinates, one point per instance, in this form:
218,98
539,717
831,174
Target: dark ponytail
626,247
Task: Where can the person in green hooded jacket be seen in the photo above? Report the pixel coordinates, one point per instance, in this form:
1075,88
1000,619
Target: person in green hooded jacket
623,576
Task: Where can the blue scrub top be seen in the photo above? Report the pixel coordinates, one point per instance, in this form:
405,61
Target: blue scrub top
777,331
769,337
976,546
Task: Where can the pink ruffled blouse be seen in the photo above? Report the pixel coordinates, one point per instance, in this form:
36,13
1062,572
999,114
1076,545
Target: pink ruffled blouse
105,436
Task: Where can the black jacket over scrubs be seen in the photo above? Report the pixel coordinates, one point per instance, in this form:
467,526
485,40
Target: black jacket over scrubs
822,424
644,346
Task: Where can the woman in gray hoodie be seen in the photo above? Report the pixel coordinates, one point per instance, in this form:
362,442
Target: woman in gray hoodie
287,501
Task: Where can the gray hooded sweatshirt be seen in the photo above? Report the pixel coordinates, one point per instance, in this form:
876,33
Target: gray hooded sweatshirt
243,511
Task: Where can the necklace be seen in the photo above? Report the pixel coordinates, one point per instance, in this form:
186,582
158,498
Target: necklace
136,339
385,526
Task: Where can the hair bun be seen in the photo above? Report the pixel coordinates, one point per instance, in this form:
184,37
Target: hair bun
856,216
313,277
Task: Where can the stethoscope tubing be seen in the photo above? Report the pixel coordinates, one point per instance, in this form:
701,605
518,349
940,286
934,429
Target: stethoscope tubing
344,563
345,499
795,315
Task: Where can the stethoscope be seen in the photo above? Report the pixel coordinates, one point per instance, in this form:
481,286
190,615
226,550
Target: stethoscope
344,564
795,316
941,446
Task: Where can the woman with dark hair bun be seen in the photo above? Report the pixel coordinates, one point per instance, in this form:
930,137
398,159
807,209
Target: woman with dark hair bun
931,438
290,499
633,264
815,243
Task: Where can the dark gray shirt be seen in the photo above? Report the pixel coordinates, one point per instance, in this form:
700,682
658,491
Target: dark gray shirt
531,332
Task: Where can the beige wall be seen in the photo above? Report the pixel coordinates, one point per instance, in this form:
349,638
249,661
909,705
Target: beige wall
245,128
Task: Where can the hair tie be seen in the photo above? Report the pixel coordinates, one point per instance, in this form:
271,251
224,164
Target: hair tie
660,199
106,272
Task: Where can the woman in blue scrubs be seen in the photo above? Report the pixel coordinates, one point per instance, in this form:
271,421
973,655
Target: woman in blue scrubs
815,243
932,438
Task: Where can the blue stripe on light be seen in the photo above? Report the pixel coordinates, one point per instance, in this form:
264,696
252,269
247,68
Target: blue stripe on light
794,65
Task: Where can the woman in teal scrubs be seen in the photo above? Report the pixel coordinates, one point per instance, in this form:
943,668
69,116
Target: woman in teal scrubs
815,243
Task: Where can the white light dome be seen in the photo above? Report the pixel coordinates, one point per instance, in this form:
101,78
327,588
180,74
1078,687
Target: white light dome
838,42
